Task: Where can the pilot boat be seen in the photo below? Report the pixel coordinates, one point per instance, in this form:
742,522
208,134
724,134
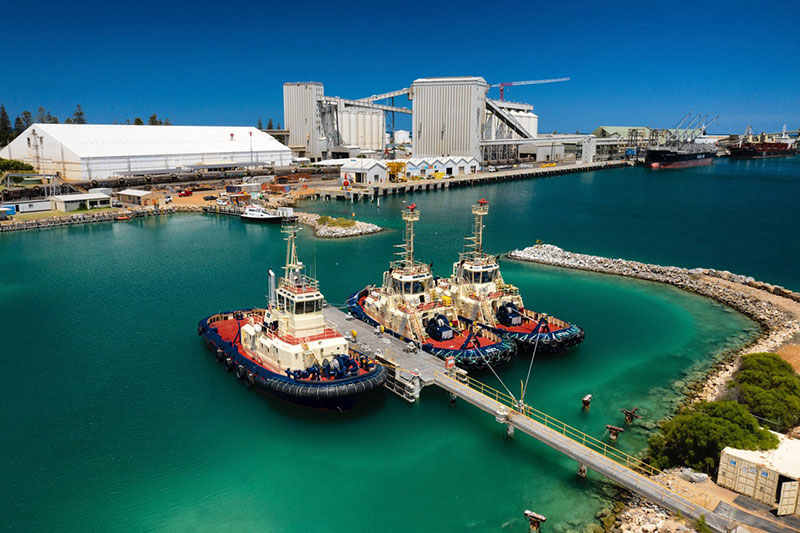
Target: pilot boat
481,297
418,308
287,349
256,213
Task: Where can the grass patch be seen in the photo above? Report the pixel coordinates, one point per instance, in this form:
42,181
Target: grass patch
325,220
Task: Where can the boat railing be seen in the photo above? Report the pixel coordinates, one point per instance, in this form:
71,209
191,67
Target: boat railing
327,333
299,284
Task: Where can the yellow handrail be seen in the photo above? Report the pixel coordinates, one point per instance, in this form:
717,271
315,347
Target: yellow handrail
627,461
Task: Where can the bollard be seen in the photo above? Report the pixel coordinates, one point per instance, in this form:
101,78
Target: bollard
452,397
534,520
581,471
586,401
613,431
509,431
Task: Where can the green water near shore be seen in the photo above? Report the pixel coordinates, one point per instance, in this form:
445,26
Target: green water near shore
115,415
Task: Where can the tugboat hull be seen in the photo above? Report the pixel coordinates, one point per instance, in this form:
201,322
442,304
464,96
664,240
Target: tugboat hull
334,395
469,359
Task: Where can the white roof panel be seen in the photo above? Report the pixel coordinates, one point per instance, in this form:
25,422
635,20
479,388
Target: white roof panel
107,140
135,192
785,459
80,197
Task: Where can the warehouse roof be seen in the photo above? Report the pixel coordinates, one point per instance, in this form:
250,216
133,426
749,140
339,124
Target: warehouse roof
106,140
785,459
80,197
135,192
362,164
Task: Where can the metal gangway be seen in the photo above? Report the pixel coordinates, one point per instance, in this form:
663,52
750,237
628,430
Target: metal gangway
667,490
411,370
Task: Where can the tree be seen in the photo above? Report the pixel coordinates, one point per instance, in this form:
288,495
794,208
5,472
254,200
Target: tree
769,387
138,122
19,126
279,125
27,119
50,119
269,123
5,126
78,117
167,122
68,121
697,434
41,116
260,125
153,120
127,122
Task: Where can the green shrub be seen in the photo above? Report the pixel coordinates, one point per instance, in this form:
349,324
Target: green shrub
324,220
337,222
770,388
697,434
13,165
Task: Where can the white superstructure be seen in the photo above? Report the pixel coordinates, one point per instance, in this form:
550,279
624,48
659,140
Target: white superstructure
98,151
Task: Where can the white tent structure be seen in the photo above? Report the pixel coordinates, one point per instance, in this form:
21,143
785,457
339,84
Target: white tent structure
97,151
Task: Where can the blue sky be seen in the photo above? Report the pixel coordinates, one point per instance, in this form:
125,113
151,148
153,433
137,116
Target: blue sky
221,63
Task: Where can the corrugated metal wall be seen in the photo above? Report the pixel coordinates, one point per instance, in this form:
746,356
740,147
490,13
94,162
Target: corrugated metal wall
448,117
363,128
748,478
301,116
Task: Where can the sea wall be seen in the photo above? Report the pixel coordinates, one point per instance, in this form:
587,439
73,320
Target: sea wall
776,309
309,219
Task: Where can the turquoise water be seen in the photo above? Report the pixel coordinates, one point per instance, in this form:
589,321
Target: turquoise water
115,415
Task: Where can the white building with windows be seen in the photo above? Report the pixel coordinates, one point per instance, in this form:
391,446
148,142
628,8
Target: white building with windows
82,152
363,171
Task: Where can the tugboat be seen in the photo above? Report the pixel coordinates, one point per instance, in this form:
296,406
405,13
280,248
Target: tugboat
287,349
418,308
482,297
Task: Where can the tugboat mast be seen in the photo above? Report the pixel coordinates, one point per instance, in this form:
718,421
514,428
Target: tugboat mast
475,247
406,254
289,228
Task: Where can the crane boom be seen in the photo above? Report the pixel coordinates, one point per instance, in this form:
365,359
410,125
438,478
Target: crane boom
505,84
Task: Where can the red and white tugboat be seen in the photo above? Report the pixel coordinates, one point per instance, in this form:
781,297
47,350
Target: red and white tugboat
287,349
481,296
417,308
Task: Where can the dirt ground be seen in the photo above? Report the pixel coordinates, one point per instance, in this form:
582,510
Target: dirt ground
791,354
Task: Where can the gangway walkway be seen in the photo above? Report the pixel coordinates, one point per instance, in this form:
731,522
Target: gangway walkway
410,371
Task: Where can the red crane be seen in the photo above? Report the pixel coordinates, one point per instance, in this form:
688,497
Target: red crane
531,82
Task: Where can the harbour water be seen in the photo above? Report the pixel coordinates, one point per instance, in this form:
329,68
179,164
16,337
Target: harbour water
118,418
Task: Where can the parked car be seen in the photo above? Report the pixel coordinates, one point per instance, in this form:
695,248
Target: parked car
220,201
209,198
116,203
167,199
187,192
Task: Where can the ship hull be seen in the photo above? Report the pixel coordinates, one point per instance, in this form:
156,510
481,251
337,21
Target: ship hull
669,159
760,153
556,341
338,395
263,220
469,359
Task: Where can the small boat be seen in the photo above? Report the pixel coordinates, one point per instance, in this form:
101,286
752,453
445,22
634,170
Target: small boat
418,308
256,213
287,349
122,217
482,297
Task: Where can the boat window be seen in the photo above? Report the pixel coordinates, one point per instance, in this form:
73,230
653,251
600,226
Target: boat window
487,276
312,305
281,303
418,286
299,308
397,285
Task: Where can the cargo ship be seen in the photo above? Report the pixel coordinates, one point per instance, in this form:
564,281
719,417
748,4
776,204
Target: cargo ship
757,147
418,308
482,297
287,349
681,148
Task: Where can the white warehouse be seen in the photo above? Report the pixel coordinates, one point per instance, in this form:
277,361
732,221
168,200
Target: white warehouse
96,151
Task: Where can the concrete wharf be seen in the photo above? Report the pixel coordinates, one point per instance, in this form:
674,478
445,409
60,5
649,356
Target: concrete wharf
372,191
411,370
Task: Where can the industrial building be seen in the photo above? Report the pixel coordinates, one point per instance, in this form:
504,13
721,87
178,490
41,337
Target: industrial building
137,197
769,476
73,202
371,171
98,151
450,117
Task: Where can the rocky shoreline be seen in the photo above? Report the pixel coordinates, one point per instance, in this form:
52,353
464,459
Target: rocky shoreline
774,308
335,232
308,219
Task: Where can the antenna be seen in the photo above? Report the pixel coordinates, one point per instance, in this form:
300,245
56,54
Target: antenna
474,244
407,253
